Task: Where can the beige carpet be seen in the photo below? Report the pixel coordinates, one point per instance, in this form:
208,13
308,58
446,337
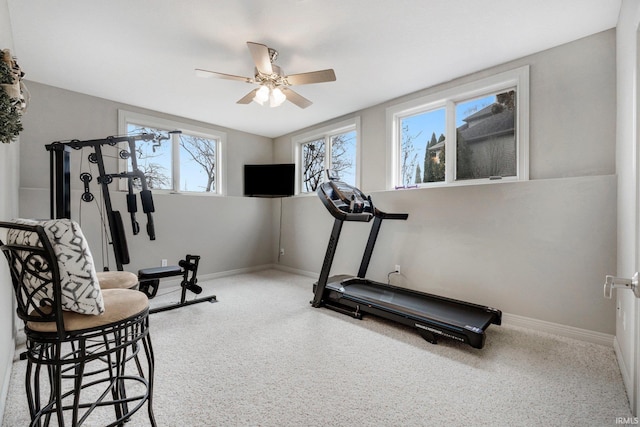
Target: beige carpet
262,356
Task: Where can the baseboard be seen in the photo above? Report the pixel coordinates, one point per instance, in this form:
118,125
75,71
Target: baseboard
6,381
295,271
627,380
227,273
558,329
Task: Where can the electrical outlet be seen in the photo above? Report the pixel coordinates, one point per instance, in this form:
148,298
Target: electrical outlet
398,268
281,251
164,263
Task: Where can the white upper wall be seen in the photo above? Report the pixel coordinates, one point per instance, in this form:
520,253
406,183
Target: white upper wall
572,89
219,229
58,115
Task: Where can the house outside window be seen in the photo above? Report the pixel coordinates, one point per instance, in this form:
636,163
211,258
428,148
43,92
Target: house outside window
179,158
333,148
486,137
476,133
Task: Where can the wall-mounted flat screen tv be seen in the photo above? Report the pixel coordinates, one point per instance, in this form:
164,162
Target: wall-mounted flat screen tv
269,180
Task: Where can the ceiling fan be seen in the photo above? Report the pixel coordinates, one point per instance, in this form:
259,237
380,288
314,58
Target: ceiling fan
274,84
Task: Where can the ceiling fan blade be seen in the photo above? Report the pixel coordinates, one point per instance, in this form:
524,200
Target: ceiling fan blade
296,98
207,74
312,77
260,55
248,97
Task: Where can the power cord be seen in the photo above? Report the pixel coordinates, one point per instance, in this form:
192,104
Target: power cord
389,276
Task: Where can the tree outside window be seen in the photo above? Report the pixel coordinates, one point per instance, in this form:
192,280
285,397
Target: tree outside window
313,154
191,167
343,157
197,163
153,157
335,152
422,152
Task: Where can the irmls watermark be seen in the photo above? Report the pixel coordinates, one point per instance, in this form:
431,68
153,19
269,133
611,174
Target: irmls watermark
627,420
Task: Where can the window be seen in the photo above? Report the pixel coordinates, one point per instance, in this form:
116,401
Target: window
179,158
422,143
475,133
333,148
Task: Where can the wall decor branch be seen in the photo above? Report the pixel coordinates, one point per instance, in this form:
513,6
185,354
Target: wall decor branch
12,97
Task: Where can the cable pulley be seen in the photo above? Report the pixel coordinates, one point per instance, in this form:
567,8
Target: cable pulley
106,179
86,178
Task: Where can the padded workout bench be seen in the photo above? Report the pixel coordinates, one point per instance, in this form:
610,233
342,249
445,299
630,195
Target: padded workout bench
149,279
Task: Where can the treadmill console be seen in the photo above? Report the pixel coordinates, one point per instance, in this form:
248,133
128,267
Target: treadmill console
345,201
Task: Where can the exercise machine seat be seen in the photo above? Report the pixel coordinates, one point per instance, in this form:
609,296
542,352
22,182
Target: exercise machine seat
159,272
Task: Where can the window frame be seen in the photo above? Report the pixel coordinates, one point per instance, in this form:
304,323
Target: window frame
125,117
517,79
326,133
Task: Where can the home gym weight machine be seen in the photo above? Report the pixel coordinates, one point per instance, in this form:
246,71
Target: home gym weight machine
60,202
431,315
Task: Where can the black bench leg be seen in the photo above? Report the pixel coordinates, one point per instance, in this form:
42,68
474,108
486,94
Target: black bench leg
188,268
149,287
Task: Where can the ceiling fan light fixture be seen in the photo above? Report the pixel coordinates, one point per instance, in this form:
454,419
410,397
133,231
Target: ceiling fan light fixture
276,97
274,84
262,95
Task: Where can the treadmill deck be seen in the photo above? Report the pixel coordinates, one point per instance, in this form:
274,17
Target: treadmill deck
444,314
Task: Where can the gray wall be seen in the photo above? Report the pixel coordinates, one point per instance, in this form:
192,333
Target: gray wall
628,99
229,233
8,209
538,249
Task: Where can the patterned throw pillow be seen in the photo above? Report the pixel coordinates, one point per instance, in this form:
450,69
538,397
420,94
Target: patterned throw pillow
80,287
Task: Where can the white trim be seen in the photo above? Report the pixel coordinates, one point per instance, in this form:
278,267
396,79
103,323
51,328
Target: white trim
352,124
125,116
627,380
391,170
296,271
6,381
173,285
170,285
518,78
558,329
234,272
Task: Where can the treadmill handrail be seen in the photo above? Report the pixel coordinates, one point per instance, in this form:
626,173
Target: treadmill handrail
385,215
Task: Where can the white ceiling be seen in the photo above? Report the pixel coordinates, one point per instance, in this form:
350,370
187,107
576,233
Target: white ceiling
144,52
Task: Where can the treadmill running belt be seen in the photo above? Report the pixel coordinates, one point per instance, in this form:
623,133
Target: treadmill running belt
441,310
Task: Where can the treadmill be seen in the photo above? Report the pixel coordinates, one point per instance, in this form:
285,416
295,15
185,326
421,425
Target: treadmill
431,315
